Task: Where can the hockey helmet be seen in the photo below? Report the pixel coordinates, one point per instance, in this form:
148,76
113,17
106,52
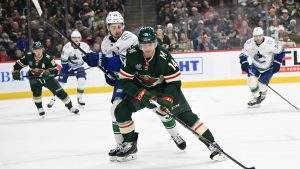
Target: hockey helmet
258,31
114,17
37,45
75,34
146,35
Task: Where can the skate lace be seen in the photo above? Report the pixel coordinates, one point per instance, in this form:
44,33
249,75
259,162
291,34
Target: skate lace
178,139
124,147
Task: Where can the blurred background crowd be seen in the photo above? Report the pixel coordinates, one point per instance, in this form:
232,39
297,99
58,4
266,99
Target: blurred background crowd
182,25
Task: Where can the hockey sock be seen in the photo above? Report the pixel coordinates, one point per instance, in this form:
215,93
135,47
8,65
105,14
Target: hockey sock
118,136
62,95
127,130
169,123
38,101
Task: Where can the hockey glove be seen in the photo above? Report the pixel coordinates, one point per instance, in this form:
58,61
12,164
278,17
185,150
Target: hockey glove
93,59
144,96
16,75
277,62
45,74
166,103
244,63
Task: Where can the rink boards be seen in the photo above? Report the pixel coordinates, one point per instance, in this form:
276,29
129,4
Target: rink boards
199,69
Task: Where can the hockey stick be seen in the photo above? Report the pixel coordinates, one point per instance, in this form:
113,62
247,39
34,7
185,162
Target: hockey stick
203,139
279,95
38,7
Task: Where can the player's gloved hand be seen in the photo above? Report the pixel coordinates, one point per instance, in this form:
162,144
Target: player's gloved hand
244,63
113,49
45,74
16,75
166,103
93,59
144,96
276,67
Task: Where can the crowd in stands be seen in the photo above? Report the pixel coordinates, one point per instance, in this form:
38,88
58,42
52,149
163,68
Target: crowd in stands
183,25
87,16
201,25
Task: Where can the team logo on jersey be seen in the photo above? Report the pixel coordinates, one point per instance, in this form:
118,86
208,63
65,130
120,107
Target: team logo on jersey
259,58
138,66
148,80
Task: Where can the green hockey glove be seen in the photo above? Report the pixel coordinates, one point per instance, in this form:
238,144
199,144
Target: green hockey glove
166,103
45,74
144,96
16,75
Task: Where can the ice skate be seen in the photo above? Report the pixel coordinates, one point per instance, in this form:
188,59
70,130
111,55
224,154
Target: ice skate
51,102
127,150
180,143
41,112
74,110
81,103
262,96
113,153
255,102
216,154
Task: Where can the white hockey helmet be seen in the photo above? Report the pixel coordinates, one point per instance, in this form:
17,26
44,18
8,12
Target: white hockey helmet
75,34
114,17
258,31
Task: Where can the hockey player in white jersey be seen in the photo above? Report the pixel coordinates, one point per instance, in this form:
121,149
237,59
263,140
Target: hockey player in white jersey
266,57
114,48
72,64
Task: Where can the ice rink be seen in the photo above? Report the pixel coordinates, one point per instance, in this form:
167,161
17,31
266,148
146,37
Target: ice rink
267,137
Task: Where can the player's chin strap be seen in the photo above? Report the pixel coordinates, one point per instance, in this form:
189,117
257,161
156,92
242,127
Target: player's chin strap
203,139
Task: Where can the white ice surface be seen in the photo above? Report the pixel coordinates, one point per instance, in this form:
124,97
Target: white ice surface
267,137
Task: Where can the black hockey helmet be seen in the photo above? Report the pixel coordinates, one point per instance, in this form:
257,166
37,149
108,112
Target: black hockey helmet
146,35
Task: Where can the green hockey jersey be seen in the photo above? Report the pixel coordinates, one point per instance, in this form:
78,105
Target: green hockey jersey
159,72
36,67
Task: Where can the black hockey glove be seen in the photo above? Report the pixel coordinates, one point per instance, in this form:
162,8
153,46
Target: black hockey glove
16,75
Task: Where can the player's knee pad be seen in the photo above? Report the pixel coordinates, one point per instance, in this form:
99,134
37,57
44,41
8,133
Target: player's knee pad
113,107
262,87
81,83
252,82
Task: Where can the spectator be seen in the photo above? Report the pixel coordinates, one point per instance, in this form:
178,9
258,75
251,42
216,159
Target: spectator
11,50
205,45
162,38
50,48
199,30
86,15
285,18
3,55
292,29
194,17
286,41
212,16
245,32
223,45
22,43
184,44
275,28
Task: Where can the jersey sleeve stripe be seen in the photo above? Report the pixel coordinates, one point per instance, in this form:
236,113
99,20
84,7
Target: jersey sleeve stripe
21,64
125,75
173,77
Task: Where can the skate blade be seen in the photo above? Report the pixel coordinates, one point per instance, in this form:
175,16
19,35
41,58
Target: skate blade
127,158
219,157
254,106
113,158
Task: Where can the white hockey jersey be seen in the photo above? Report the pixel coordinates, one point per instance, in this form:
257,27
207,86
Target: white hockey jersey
73,56
126,40
262,56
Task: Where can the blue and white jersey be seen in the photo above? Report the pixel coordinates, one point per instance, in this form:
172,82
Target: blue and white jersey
262,56
73,56
126,40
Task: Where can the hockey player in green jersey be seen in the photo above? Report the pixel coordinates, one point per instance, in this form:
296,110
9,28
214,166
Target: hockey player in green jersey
42,70
150,73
